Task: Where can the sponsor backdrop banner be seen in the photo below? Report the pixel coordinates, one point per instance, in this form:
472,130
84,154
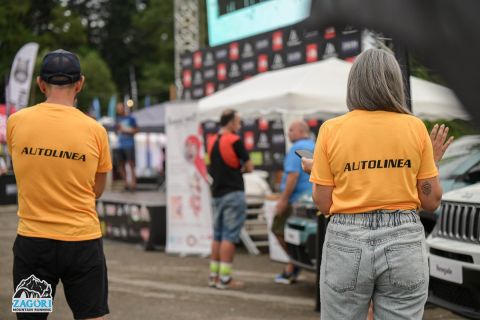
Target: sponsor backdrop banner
189,218
211,69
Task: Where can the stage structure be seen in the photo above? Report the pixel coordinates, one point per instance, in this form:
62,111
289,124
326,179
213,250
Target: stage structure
186,33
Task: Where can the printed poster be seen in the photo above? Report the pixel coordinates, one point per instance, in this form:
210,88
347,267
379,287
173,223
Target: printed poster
189,213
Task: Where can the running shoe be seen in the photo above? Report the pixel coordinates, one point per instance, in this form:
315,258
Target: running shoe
212,281
230,284
288,277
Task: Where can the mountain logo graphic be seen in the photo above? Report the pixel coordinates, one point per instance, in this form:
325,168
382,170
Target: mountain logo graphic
32,295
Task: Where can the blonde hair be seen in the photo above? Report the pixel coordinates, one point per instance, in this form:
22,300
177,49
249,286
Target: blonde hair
375,83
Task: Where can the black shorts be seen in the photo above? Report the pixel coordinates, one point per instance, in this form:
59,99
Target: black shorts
79,264
126,154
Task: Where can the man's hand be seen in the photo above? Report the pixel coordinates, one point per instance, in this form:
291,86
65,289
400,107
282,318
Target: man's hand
307,165
282,205
438,135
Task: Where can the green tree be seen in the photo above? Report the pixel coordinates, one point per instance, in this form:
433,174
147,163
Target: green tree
153,40
98,82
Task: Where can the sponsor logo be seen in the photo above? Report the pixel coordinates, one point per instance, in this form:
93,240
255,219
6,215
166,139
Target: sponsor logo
234,51
377,164
247,51
234,70
329,51
277,62
249,140
307,34
311,52
32,295
248,66
263,141
186,62
197,92
293,39
20,73
187,78
54,153
350,45
209,61
197,78
209,88
329,33
262,44
197,60
221,71
350,59
221,54
248,123
349,30
294,57
312,123
277,125
209,74
262,124
187,95
210,125
262,63
277,41
278,138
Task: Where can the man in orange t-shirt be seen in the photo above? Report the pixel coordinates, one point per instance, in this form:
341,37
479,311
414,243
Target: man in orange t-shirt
60,160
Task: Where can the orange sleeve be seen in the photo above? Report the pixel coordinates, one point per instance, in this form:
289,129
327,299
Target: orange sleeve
104,159
427,169
9,135
321,172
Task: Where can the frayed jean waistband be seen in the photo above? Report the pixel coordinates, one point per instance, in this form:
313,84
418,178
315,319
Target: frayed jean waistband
377,219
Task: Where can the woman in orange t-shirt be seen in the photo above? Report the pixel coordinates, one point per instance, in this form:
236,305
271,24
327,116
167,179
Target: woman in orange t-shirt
373,169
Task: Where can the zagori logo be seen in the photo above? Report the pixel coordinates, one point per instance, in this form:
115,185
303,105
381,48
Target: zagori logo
32,295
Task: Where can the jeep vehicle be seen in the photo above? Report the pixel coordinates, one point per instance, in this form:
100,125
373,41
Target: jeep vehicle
454,253
459,168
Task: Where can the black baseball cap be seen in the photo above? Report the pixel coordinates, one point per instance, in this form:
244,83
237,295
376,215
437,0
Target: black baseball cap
60,67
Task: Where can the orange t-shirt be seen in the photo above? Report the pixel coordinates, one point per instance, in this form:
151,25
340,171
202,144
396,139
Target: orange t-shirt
56,151
373,160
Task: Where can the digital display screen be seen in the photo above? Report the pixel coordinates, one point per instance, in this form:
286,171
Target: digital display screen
230,20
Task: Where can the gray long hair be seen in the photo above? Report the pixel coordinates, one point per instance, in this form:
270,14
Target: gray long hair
375,83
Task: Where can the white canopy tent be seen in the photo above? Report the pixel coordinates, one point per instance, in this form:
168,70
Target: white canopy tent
318,88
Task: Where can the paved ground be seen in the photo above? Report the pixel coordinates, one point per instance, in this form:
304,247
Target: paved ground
154,285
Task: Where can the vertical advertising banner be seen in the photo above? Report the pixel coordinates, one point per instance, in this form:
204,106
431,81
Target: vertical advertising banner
18,90
189,218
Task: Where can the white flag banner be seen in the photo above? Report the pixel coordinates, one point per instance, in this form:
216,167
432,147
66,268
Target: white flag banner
189,212
21,76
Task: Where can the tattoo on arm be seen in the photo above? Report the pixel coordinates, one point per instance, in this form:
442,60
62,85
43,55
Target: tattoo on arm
426,188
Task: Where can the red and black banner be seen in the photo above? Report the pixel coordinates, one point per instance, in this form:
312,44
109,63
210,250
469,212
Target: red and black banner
211,69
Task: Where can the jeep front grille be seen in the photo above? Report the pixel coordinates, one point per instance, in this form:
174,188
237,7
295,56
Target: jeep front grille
459,221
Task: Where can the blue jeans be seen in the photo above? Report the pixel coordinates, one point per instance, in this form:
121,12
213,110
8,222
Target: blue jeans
229,213
379,256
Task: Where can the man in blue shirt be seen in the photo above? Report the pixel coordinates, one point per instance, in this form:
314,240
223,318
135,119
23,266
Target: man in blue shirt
295,183
126,127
